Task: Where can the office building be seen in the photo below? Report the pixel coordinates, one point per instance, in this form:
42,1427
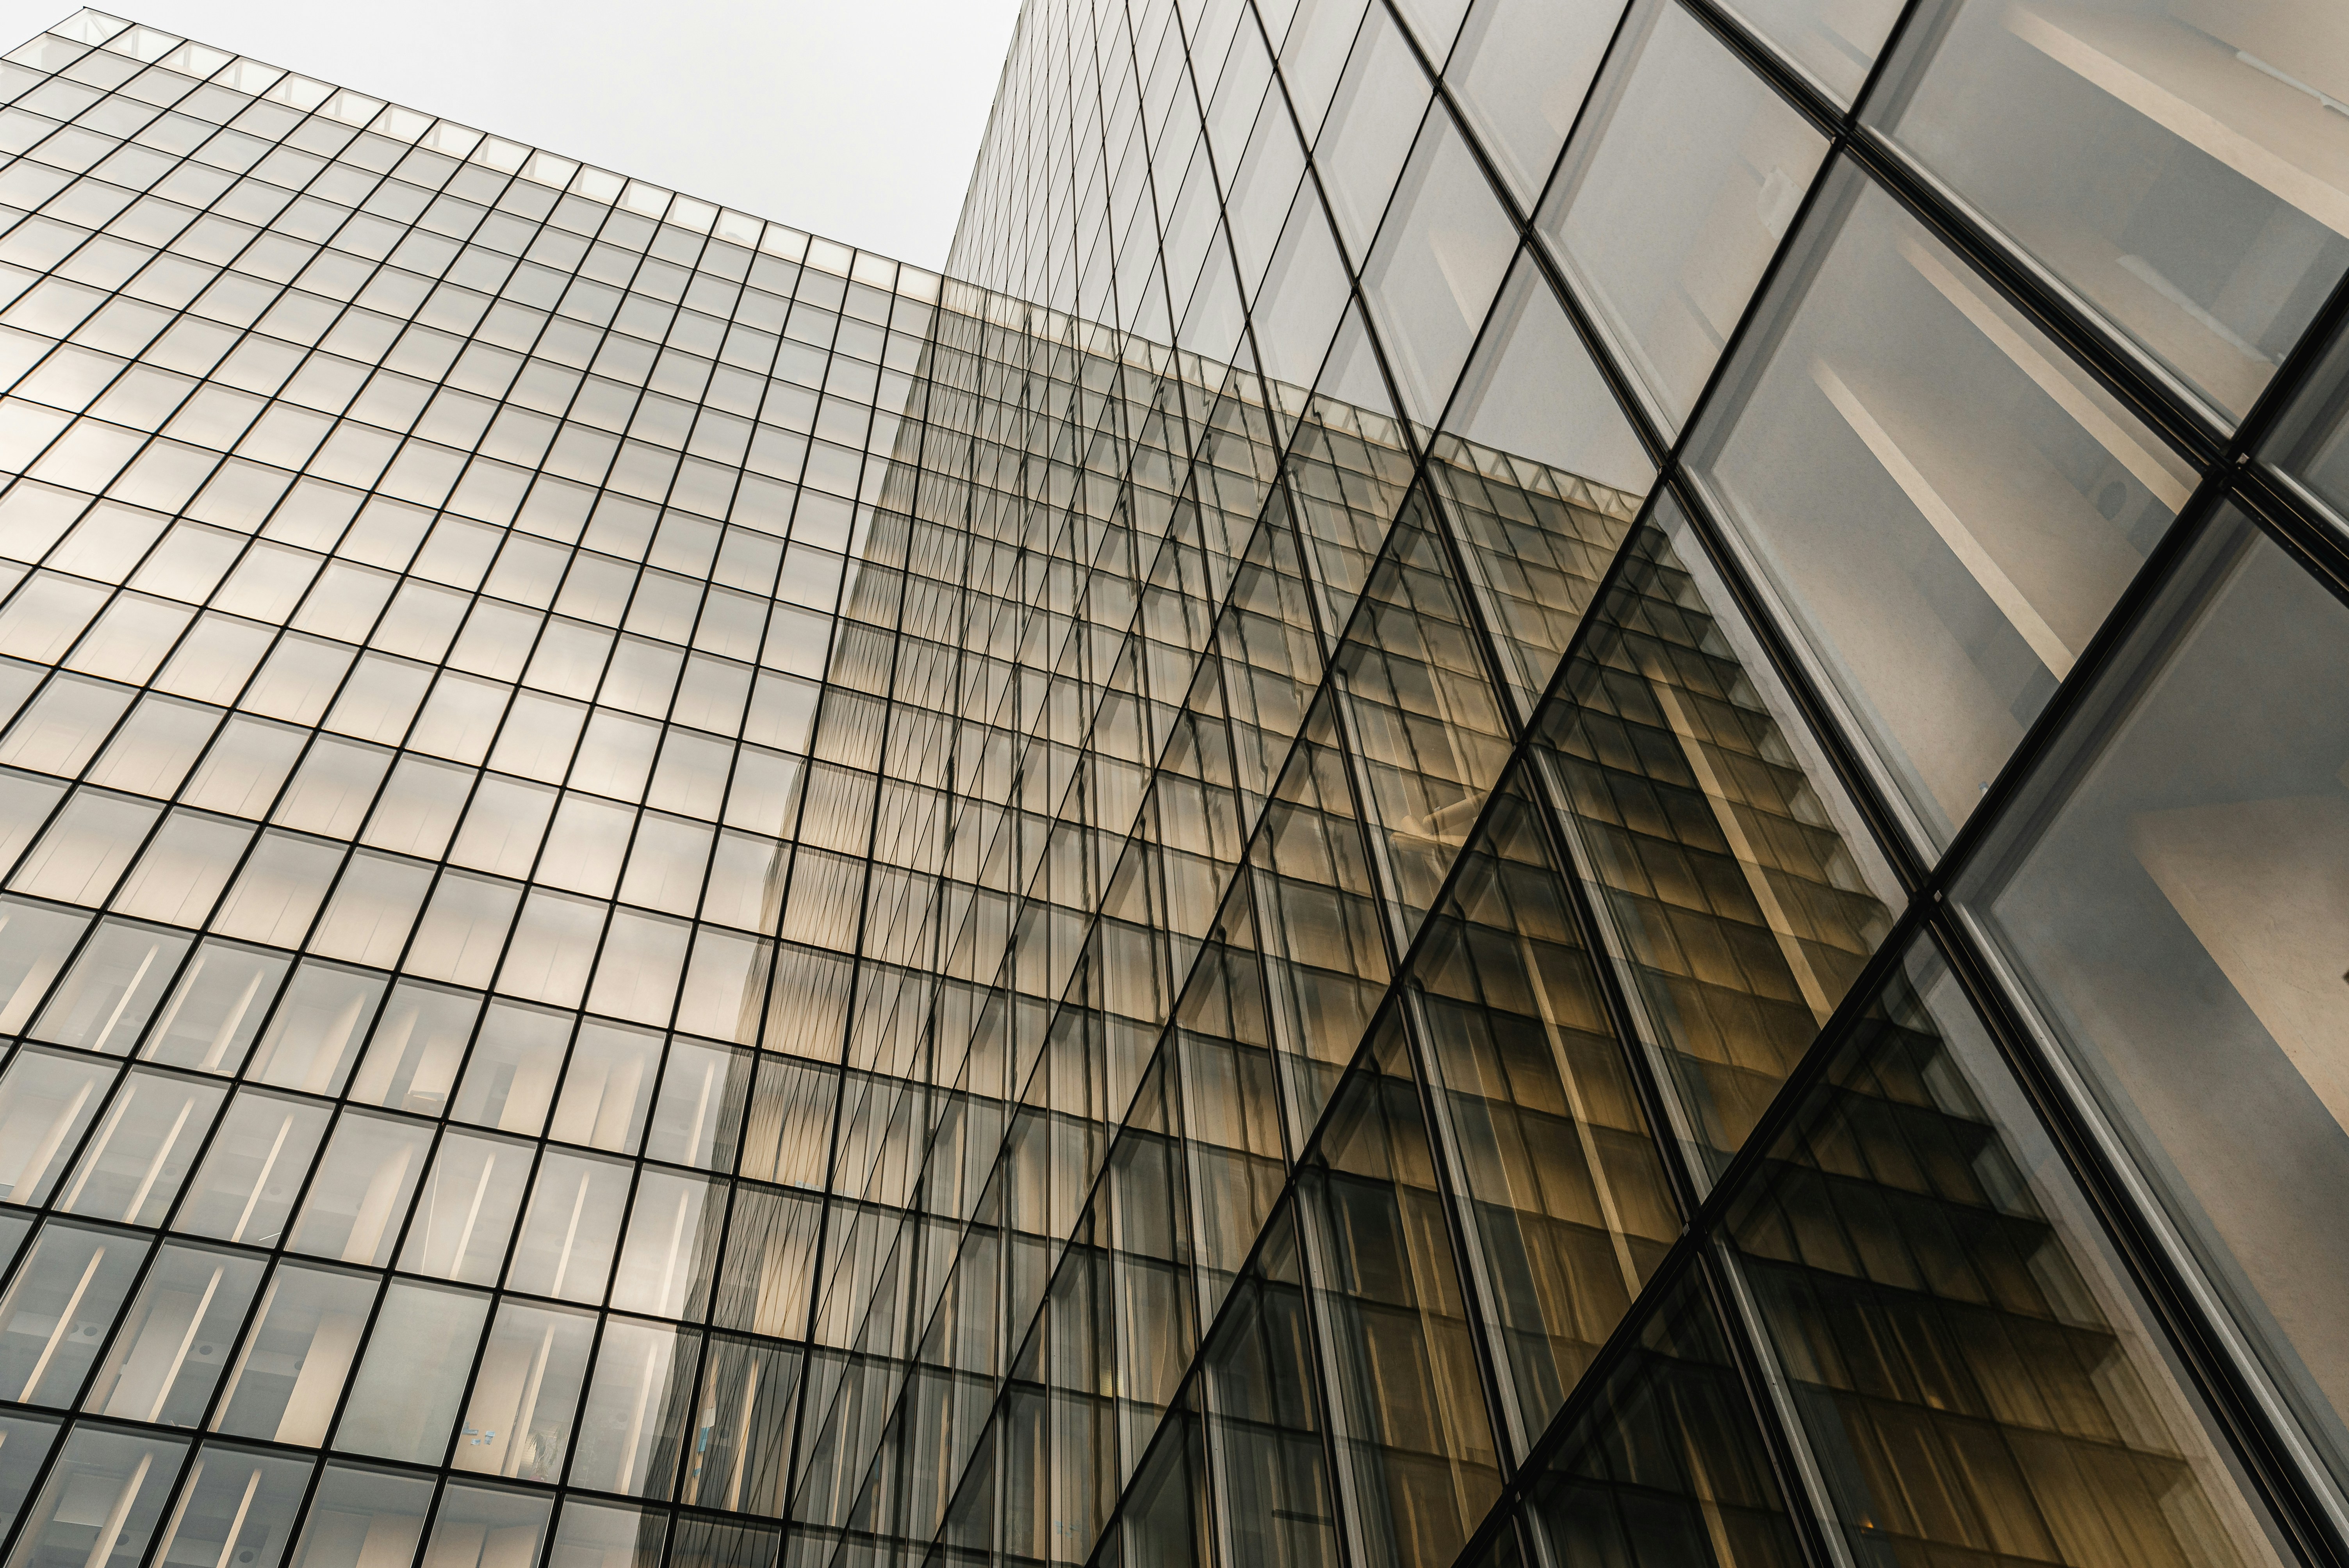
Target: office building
1534,784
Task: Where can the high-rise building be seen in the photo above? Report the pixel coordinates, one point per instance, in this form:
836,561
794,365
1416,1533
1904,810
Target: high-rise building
1539,784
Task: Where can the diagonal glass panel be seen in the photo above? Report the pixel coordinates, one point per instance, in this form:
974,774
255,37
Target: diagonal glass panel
1271,657
1538,539
1238,456
1189,831
1975,1375
1419,712
1567,1201
1149,1256
1051,1447
1362,144
1833,42
1534,391
1230,1104
1438,262
1325,960
1302,294
2200,203
1733,880
1944,505
743,1428
1166,1520
1347,469
1684,178
1266,1443
1519,72
1662,1461
1416,1453
104,1500
2171,904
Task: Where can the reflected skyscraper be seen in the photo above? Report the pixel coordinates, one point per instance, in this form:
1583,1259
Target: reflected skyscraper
1534,784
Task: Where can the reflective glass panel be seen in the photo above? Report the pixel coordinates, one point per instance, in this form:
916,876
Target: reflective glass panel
1684,176
1664,1463
2171,898
2183,164
1943,503
1972,1366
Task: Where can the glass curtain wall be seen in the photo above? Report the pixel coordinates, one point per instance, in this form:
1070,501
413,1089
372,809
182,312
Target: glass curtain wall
1412,835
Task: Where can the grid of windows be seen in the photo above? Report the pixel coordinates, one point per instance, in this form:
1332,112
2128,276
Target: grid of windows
1840,1046
1551,788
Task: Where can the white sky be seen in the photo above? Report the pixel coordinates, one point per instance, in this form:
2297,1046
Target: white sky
853,118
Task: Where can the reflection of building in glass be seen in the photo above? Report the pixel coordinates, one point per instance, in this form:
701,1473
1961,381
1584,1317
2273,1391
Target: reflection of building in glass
1539,784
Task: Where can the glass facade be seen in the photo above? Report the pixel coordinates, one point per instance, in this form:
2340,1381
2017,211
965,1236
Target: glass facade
1498,801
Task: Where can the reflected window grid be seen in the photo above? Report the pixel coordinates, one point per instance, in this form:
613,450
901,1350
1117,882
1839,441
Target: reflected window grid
648,858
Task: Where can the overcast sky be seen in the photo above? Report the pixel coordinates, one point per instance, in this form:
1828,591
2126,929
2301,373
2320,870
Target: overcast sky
856,119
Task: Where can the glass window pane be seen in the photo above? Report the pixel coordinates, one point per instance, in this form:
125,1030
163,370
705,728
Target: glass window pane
363,1517
510,1078
1665,1464
1974,1372
1420,711
1534,392
404,1398
485,1527
1229,1115
2183,164
607,1535
1139,1217
238,1510
639,1406
245,1189
132,1169
60,1307
174,1346
359,1196
704,1094
116,985
215,1011
1519,72
28,1440
518,1421
1737,884
706,1543
1833,42
1434,22
1438,262
40,939
1324,962
608,1085
1412,1426
2171,900
1369,131
672,1246
412,1061
1945,505
48,1100
102,1502
1300,296
571,1228
1165,1522
467,1212
1566,1200
289,1373
743,1427
768,1281
1263,1429
314,1037
1685,175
